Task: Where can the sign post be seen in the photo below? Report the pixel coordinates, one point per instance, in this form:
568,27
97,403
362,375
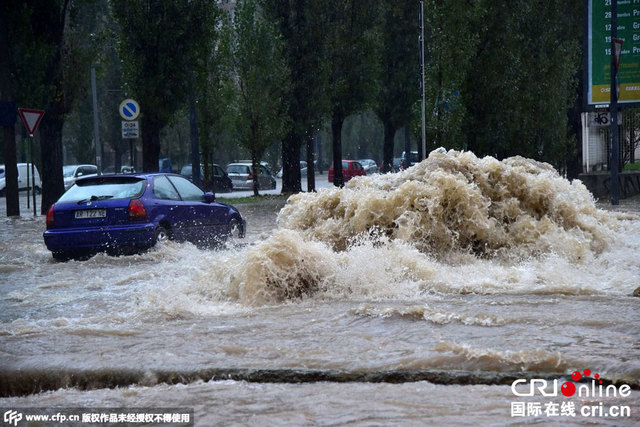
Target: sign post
129,111
604,42
616,52
31,119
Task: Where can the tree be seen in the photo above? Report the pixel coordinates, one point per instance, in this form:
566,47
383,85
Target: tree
8,116
399,88
354,65
524,80
303,24
160,41
48,56
452,29
261,79
214,94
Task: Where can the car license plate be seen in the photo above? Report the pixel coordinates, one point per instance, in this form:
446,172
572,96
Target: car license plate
91,213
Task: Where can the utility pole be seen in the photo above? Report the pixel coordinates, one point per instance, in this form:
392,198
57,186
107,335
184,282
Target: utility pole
96,128
422,89
616,52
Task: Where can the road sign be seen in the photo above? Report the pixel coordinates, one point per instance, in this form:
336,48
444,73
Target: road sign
31,119
598,50
130,129
129,109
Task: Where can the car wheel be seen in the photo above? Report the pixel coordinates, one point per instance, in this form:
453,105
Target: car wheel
162,234
234,232
61,256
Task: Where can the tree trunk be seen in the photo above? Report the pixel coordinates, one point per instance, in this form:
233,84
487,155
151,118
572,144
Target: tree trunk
150,144
291,164
8,126
387,145
255,170
311,177
11,171
336,131
51,157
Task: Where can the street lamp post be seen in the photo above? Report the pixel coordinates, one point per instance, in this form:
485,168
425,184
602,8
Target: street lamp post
422,89
613,105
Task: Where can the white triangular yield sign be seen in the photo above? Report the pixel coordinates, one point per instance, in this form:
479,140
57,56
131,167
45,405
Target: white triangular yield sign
31,119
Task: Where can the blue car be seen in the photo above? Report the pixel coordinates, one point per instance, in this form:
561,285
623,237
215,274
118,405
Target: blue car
123,214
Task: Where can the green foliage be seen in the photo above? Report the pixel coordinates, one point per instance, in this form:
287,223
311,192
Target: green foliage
524,80
354,49
399,86
49,55
632,167
214,92
261,80
354,54
162,43
303,25
451,29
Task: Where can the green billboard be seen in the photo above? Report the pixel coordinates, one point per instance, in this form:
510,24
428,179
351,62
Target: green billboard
599,51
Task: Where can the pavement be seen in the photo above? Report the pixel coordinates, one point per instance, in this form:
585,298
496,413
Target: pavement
321,182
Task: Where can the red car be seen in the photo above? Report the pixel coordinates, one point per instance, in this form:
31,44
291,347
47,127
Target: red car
350,168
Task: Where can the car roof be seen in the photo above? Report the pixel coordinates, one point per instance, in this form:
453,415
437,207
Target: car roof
142,175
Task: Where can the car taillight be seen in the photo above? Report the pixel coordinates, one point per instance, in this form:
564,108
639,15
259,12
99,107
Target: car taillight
250,177
50,219
137,212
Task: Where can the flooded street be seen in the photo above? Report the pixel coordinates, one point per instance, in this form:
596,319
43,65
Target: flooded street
336,310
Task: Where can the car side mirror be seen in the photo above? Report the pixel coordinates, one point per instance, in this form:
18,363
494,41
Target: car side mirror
209,197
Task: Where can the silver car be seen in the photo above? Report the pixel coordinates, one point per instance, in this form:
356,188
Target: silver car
72,172
242,177
370,166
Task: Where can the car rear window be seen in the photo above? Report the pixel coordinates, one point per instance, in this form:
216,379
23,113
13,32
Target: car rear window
105,188
240,169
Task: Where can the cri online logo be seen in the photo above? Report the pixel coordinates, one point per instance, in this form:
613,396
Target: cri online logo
569,389
523,387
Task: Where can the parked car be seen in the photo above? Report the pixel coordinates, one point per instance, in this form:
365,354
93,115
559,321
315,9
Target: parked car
164,165
24,173
263,163
242,177
410,160
370,166
122,214
397,164
221,181
123,169
303,169
350,168
71,173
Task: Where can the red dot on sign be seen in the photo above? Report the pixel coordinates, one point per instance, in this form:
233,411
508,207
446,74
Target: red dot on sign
587,372
576,376
600,381
596,376
568,389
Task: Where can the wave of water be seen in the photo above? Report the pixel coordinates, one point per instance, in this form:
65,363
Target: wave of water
452,223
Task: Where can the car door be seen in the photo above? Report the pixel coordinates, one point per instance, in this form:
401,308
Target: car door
22,176
220,182
206,219
265,179
169,207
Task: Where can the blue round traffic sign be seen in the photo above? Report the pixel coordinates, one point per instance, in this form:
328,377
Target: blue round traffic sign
129,109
